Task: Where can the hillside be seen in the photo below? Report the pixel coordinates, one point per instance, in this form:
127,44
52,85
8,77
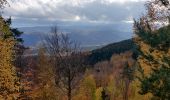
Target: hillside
99,53
106,52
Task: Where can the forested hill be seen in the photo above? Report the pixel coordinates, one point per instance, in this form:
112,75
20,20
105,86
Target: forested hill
105,53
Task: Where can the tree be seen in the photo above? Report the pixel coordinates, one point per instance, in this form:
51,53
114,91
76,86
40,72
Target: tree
158,84
104,95
128,76
45,71
27,78
9,82
87,88
152,38
123,74
9,50
45,77
101,72
15,33
67,58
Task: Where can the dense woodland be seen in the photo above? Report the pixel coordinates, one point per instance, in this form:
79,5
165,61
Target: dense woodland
134,69
106,52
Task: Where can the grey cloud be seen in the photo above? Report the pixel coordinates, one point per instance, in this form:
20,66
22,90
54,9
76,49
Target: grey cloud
113,12
93,11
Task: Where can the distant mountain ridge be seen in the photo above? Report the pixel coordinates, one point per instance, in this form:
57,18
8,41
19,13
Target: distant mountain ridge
99,53
106,52
86,35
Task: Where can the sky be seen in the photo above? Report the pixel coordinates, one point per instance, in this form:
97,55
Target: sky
90,22
44,12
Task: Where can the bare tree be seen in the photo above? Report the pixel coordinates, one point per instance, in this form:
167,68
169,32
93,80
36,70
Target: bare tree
67,60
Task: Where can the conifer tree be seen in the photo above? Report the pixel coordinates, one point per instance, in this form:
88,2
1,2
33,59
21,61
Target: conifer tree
9,82
152,36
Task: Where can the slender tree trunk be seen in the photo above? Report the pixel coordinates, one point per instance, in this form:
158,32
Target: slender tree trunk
69,94
69,88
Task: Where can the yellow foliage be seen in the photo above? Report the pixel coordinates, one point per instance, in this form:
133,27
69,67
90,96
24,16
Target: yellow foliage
156,54
46,89
134,89
4,28
98,93
45,93
87,89
9,83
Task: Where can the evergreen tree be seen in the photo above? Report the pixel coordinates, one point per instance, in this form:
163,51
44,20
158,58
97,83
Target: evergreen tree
15,33
9,82
153,41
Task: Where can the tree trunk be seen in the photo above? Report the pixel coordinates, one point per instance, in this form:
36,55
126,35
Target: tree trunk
69,88
69,94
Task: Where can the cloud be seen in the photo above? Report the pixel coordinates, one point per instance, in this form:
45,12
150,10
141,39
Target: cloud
87,20
92,11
